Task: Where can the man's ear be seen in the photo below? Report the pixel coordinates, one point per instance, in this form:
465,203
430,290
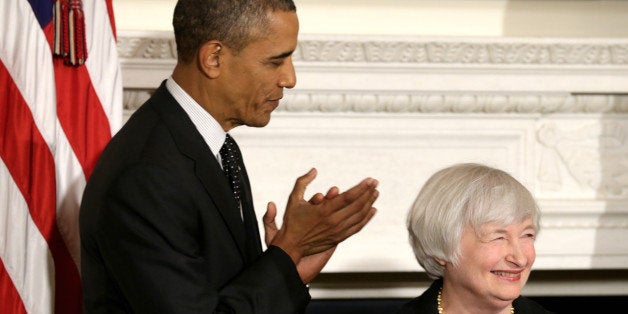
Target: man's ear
209,56
440,261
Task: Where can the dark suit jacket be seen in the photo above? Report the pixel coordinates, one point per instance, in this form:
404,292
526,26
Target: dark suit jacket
160,232
427,303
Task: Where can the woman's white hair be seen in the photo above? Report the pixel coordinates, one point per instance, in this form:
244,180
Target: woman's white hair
460,195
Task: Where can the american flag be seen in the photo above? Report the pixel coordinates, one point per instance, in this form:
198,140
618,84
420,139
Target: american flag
56,115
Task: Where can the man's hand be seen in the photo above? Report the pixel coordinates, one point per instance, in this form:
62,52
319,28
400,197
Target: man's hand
309,266
313,228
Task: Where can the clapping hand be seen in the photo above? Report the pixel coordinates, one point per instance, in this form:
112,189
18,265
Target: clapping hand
312,229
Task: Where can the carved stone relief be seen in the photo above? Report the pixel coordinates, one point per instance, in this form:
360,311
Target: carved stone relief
595,156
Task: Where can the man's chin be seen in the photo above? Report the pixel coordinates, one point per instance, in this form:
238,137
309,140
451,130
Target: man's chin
259,123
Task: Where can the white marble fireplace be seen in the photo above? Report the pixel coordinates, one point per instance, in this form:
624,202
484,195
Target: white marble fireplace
553,112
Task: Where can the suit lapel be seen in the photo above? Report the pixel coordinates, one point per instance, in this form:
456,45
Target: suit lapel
191,143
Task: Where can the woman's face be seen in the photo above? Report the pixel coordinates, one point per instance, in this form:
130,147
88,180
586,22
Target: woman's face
494,263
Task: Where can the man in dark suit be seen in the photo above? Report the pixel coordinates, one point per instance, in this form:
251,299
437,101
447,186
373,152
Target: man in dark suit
161,228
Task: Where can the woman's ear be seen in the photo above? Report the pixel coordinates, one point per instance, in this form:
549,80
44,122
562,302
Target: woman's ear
209,56
440,261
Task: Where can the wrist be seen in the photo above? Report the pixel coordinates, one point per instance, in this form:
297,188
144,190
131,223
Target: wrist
290,249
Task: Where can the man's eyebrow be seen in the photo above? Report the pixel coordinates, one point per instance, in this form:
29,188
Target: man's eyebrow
282,56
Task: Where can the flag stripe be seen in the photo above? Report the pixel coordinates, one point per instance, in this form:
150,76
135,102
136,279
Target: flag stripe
22,36
81,115
58,120
12,303
26,255
103,64
28,209
112,21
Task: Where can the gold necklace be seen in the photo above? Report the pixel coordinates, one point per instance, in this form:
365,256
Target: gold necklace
439,300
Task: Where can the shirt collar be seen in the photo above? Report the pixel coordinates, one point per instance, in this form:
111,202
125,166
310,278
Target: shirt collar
210,129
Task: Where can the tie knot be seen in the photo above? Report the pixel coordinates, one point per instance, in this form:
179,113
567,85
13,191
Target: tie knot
228,148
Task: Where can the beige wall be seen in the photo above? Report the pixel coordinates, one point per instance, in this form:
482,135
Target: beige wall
529,18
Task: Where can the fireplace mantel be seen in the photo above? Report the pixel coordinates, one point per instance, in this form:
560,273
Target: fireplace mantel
553,112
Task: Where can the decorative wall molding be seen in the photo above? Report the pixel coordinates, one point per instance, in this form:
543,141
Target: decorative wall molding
415,74
553,112
147,45
478,103
415,50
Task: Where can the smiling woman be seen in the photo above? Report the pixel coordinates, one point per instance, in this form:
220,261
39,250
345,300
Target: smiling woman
472,228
